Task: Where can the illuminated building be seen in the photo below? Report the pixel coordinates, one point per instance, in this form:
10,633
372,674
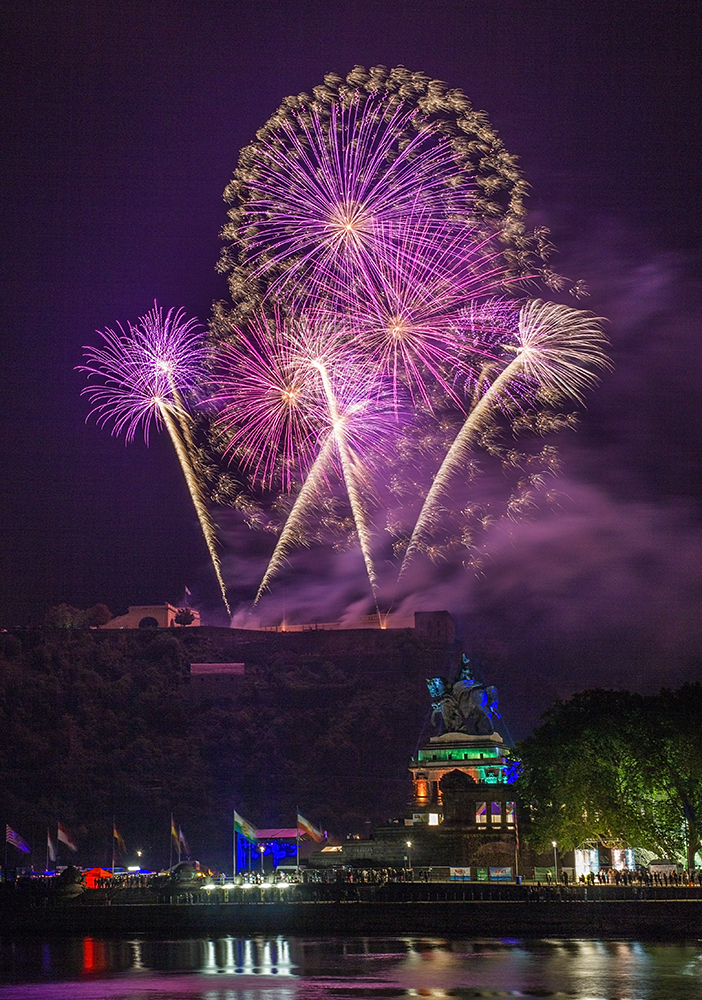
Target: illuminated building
153,616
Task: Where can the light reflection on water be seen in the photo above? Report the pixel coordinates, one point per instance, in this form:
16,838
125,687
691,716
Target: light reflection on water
344,968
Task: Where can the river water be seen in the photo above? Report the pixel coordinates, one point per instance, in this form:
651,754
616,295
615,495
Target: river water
344,968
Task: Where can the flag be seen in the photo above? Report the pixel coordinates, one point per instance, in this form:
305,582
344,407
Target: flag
12,837
183,842
50,847
121,846
304,826
244,828
64,836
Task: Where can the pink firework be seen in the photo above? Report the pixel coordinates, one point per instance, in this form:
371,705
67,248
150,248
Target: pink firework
271,397
149,365
407,319
271,406
324,190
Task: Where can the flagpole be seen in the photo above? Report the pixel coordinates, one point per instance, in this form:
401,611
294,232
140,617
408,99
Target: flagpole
235,844
297,839
170,841
113,844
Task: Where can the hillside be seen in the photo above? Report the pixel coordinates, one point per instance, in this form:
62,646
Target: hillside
100,722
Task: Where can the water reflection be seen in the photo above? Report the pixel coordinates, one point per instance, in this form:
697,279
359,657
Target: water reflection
345,968
248,956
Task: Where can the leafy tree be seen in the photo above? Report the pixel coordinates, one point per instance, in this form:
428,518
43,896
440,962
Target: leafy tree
617,766
184,617
65,616
99,614
671,761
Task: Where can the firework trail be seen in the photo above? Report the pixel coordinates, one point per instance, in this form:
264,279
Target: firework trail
348,467
206,524
144,372
558,349
303,502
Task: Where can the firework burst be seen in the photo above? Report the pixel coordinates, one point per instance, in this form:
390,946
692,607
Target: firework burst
383,209
144,373
408,320
329,189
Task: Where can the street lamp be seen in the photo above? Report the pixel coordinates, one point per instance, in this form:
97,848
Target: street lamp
409,854
262,849
555,859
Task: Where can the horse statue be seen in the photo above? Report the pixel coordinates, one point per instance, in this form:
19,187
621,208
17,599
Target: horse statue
466,706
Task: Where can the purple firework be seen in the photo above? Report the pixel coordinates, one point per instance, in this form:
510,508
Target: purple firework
150,364
407,318
271,399
330,184
144,372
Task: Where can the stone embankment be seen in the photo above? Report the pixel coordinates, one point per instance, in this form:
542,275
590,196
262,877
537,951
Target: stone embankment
448,909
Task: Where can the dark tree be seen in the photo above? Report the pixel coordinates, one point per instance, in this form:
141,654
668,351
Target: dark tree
184,617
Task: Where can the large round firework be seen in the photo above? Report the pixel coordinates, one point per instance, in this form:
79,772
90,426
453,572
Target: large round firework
335,176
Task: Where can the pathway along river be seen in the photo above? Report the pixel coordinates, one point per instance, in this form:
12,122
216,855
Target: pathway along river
344,968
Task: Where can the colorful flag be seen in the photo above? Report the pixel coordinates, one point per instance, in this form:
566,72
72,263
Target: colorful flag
174,832
12,837
304,826
244,828
66,837
50,847
121,846
183,842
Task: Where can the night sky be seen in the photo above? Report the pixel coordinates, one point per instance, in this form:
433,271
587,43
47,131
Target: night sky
122,124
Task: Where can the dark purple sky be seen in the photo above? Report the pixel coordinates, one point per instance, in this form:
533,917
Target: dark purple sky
122,124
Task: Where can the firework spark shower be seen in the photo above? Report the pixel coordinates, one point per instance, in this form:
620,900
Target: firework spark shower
384,356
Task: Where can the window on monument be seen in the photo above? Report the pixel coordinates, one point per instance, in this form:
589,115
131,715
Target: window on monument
481,813
495,813
510,811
